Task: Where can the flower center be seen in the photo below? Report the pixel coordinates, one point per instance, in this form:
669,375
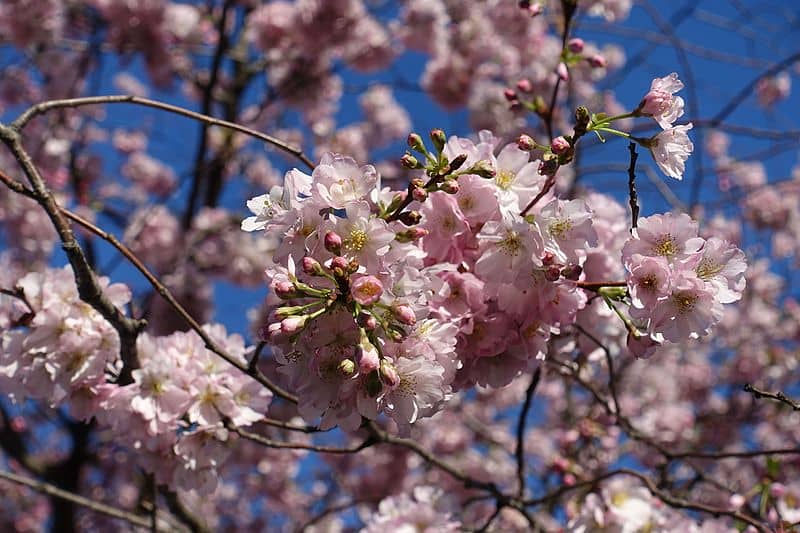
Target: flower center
504,179
665,245
512,244
707,269
684,302
356,241
560,227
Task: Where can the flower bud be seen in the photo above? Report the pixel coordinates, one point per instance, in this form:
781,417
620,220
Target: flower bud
575,45
347,367
439,139
367,321
419,194
526,143
415,143
285,290
404,314
510,94
582,118
367,356
410,218
548,259
388,374
333,242
339,262
597,61
311,266
411,234
560,145
562,72
293,324
524,85
483,168
449,186
409,161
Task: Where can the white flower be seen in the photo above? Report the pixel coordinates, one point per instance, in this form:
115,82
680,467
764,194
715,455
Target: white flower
671,149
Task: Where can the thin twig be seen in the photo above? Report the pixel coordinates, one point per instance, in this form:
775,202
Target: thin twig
52,490
633,198
523,417
777,396
44,107
269,443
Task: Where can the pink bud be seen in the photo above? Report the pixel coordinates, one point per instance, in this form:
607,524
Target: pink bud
597,61
367,321
420,195
524,85
284,290
552,273
366,290
333,242
510,94
548,258
526,143
560,145
293,324
450,187
404,314
777,490
575,45
311,265
562,72
340,262
367,356
388,374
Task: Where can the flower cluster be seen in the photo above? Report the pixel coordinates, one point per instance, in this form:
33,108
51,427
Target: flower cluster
678,281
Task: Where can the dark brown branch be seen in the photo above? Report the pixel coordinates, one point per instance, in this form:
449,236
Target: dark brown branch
89,289
777,396
632,196
523,417
269,443
53,491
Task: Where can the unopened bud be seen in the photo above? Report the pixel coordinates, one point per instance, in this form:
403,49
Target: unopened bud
410,218
347,367
575,45
409,161
597,61
560,145
285,290
367,356
293,324
388,374
439,139
510,94
526,143
449,186
311,266
457,161
333,242
411,234
419,194
483,168
548,259
524,85
404,314
415,143
572,272
562,72
367,321
582,118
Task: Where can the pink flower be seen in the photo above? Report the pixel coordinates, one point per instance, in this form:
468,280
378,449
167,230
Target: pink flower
366,290
689,311
673,237
649,280
671,148
660,103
